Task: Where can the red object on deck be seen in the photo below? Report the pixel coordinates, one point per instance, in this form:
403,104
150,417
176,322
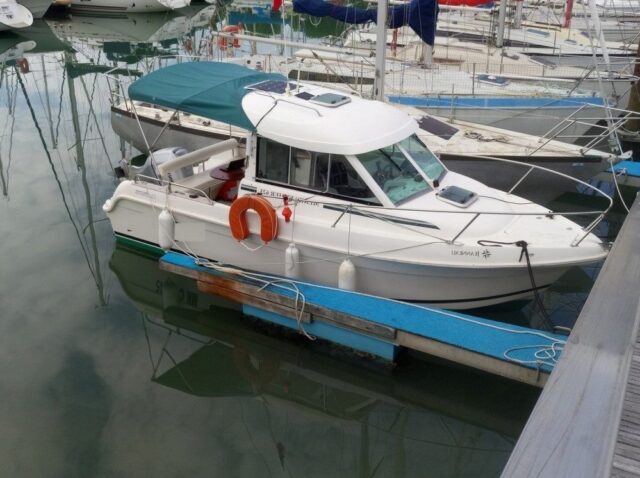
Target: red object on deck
229,191
275,6
465,3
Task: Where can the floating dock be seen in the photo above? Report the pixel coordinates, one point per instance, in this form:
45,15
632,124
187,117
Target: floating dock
381,326
628,173
627,176
587,420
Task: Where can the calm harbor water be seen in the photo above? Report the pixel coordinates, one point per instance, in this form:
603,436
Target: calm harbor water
113,368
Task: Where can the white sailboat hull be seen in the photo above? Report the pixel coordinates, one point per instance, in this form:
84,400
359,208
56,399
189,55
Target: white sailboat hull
536,121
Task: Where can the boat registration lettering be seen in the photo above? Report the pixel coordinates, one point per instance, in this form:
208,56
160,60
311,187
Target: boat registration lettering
484,254
275,194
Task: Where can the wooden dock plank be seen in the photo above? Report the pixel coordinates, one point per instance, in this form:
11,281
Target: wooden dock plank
264,304
573,428
624,464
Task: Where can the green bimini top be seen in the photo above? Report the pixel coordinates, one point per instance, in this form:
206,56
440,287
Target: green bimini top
210,89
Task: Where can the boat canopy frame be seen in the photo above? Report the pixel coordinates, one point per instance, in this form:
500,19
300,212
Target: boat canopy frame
204,88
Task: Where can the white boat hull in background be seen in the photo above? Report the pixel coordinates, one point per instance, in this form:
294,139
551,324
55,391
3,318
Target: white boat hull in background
520,117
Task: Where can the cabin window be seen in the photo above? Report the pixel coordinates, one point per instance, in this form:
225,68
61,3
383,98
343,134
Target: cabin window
424,158
345,182
273,161
396,175
301,167
329,174
283,164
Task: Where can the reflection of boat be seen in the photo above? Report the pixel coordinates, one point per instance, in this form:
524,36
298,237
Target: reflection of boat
37,7
225,355
41,34
363,185
119,6
14,16
124,27
14,49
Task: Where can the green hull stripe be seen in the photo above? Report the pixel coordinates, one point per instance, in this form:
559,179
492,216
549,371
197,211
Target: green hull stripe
139,245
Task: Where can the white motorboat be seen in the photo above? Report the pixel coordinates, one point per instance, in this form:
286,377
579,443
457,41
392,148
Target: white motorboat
337,190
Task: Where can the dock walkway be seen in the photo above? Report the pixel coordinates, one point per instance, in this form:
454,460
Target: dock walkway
587,420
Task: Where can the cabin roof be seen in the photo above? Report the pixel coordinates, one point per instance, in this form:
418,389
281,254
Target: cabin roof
297,114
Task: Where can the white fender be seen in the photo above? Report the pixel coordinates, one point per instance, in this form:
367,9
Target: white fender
292,261
166,230
347,275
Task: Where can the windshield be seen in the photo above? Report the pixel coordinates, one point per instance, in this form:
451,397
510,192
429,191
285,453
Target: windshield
424,158
394,173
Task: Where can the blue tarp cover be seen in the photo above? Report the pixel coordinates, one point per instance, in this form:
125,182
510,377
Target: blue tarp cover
420,15
210,89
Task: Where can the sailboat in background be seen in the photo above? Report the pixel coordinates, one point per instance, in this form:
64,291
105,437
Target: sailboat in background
524,104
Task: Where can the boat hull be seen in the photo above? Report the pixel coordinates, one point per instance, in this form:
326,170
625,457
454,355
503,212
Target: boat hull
456,287
126,126
534,116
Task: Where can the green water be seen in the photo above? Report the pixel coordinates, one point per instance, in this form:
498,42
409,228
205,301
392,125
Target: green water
111,368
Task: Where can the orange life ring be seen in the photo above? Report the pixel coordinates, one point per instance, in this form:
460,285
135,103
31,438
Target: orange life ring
238,217
223,41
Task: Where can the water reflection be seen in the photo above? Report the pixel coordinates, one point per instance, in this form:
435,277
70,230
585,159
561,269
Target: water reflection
129,371
47,117
309,407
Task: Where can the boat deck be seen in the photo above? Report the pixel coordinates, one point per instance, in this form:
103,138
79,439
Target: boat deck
382,326
587,420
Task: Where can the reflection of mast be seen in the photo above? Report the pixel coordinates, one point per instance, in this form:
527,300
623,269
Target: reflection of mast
96,275
11,100
85,185
46,95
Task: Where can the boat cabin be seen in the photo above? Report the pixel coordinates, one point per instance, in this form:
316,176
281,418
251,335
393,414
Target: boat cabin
298,137
389,176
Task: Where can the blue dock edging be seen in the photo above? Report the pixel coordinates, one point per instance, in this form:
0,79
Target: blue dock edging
506,346
630,168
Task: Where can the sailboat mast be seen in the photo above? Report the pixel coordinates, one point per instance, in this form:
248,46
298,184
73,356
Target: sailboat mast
502,17
568,13
596,23
381,49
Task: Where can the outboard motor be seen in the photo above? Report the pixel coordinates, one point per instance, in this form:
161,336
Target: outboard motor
145,166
